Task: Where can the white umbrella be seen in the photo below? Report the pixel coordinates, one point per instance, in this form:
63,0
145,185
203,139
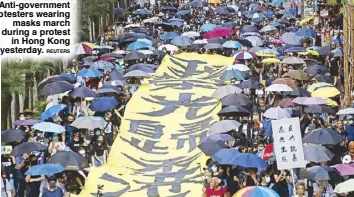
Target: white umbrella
151,20
226,90
240,67
279,88
132,26
277,113
223,127
136,73
146,52
191,34
48,127
315,101
255,40
200,42
168,47
293,60
269,28
89,122
345,187
300,100
346,111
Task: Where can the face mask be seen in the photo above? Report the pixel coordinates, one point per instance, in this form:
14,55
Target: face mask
214,169
39,134
75,103
268,179
82,152
52,184
255,133
97,133
260,148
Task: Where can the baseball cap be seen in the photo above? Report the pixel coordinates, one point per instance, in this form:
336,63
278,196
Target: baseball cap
347,159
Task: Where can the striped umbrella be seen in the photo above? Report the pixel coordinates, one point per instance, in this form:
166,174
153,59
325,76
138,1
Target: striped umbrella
83,48
244,55
256,191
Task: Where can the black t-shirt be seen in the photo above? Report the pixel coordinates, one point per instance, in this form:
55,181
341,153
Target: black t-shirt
8,165
99,149
75,145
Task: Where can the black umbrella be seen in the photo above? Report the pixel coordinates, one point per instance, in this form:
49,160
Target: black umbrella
12,135
210,147
142,30
234,111
27,147
222,10
108,90
315,69
70,160
53,79
134,56
116,75
244,42
249,28
142,67
117,11
310,62
115,55
56,88
164,26
325,79
323,136
235,99
216,40
250,85
319,109
82,92
169,8
298,92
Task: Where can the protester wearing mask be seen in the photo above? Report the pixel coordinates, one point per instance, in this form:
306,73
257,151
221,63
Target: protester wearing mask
246,128
53,190
265,179
56,145
300,190
80,108
251,178
69,130
76,141
215,189
99,156
33,182
322,189
349,128
232,180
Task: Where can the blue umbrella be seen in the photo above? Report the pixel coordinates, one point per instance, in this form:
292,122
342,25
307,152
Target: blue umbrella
183,12
225,156
52,111
45,169
103,104
275,23
197,4
306,32
137,45
207,27
291,11
82,91
176,23
314,69
48,127
325,78
103,65
291,38
149,42
269,14
91,72
143,12
232,44
182,41
316,173
254,6
210,147
326,50
248,160
323,136
56,87
168,35
68,77
337,53
231,74
175,19
221,10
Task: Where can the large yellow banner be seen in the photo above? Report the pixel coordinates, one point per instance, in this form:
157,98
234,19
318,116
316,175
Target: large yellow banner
156,152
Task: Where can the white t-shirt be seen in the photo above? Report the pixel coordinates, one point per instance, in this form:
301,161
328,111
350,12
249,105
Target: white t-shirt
61,146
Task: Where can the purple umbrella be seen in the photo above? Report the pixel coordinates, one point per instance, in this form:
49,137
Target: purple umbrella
300,100
315,101
344,169
276,113
28,122
219,137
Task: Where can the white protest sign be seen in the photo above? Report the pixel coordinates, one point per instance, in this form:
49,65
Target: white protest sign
288,143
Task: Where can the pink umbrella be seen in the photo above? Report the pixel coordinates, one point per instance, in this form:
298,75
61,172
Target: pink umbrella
277,42
219,32
344,169
107,59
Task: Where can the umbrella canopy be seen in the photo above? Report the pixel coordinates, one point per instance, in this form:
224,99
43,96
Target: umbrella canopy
232,44
293,60
52,111
271,61
48,127
12,135
28,122
181,41
27,147
138,45
250,84
134,56
233,74
315,69
323,136
236,99
248,160
82,91
168,35
244,55
223,126
255,40
103,104
326,92
319,109
207,27
226,90
286,81
219,32
136,73
317,153
291,38
279,88
191,34
240,67
306,33
345,187
90,73
213,46
276,113
314,101
234,111
224,156
82,48
256,191
346,111
299,92
70,160
210,147
286,102
317,173
45,169
117,11
56,88
168,47
268,28
344,169
89,122
298,74
317,86
219,137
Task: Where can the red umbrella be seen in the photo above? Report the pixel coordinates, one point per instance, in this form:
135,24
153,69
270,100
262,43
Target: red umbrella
268,152
219,32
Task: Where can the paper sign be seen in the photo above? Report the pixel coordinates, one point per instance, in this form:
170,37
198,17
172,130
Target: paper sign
288,143
308,12
324,13
6,150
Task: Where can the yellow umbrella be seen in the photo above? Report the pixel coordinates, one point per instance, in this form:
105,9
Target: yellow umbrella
316,53
214,1
265,54
271,61
318,85
306,20
331,102
325,92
